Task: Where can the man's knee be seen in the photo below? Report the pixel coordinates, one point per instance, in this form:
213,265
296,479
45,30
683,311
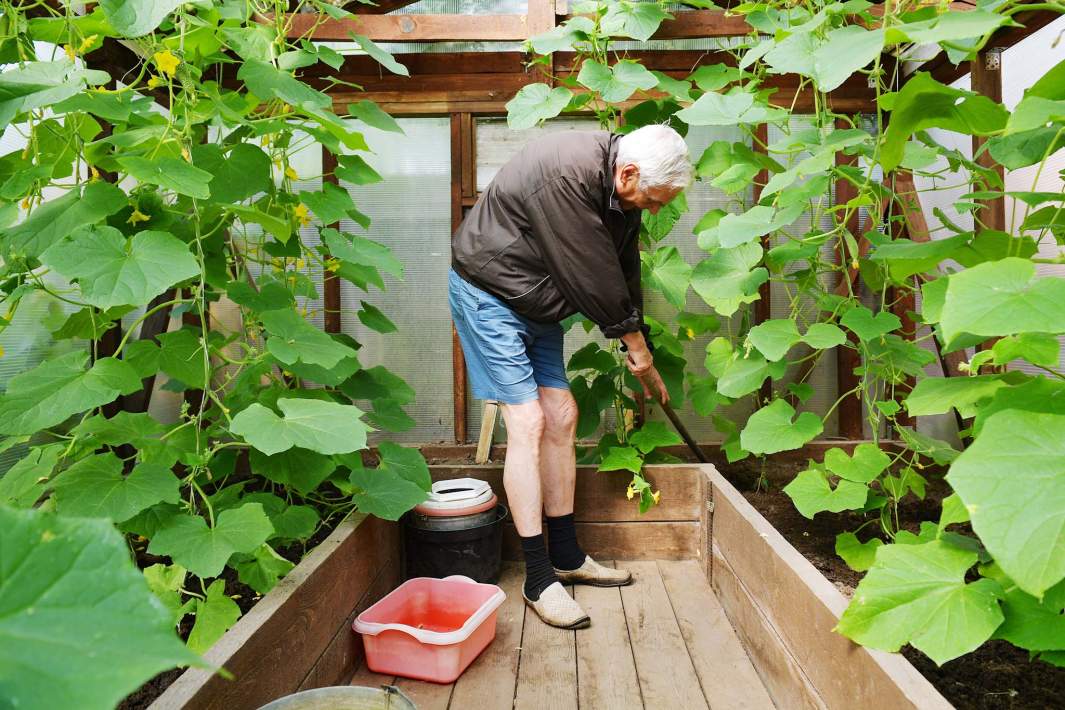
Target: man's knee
525,422
560,417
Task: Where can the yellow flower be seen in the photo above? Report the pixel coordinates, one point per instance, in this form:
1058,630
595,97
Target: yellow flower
690,333
166,61
185,154
1,352
70,52
154,82
332,265
86,43
26,203
137,216
291,174
300,263
302,214
630,492
656,495
94,172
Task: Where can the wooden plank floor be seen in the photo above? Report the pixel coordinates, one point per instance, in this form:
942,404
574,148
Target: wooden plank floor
662,642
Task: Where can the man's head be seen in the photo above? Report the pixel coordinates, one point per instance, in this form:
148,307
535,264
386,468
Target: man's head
651,168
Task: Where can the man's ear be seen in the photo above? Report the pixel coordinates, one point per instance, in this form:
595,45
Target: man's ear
630,174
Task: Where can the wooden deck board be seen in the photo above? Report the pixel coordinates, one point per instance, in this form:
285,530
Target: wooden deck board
547,672
606,673
667,676
664,641
727,676
488,684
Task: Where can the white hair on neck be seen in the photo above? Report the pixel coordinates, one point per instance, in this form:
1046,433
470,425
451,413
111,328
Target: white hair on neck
661,155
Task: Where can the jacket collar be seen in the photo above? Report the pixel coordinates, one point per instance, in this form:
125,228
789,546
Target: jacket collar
608,185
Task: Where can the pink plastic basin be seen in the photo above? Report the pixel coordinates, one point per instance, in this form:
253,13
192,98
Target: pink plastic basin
430,629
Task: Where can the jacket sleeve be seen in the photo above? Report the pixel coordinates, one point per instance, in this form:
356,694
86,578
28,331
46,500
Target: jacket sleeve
580,256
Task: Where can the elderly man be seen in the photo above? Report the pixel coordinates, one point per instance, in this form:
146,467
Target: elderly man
557,233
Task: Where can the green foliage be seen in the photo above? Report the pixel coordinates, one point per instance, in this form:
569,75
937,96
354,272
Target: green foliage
74,576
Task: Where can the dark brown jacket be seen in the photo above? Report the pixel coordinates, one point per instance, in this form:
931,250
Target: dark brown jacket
550,239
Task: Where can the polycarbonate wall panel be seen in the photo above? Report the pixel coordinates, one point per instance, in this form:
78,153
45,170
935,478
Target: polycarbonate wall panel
411,213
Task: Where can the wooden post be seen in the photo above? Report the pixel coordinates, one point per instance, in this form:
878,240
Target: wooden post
458,362
987,80
847,358
763,307
330,281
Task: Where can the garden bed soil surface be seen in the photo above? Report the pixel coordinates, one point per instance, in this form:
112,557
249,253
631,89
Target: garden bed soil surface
997,676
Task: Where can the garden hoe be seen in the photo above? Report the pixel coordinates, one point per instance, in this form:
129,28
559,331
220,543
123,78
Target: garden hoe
678,425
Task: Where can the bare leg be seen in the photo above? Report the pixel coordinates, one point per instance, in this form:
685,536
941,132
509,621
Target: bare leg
521,471
558,462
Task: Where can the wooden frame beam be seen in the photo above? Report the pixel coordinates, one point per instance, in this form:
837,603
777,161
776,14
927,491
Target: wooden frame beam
495,28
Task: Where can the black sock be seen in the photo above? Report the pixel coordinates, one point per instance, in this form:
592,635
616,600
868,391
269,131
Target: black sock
562,543
538,572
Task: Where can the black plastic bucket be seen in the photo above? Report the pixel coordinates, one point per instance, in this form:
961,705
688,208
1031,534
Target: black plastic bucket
475,552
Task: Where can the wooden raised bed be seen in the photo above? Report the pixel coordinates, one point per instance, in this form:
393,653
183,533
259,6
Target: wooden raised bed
783,610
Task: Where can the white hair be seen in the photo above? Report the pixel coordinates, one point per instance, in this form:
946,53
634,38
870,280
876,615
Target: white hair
661,155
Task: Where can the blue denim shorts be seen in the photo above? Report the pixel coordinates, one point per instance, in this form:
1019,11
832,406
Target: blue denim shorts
507,355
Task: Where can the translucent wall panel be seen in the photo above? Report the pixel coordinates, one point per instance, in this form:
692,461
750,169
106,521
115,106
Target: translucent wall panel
411,213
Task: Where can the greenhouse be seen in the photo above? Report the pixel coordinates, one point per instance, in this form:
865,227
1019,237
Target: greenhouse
532,354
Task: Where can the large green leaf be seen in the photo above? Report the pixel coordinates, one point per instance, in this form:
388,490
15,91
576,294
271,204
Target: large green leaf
616,83
1012,480
331,204
170,173
406,462
745,228
622,458
666,270
33,85
937,395
64,215
861,321
1002,298
204,550
362,251
292,338
378,383
811,493
181,356
638,20
867,462
858,555
24,483
133,18
237,175
1031,623
382,56
562,37
917,594
774,338
61,387
924,103
737,106
947,27
96,488
728,278
371,114
73,603
299,468
214,615
741,376
325,427
372,317
772,429
535,103
845,51
384,492
653,435
261,570
115,271
267,82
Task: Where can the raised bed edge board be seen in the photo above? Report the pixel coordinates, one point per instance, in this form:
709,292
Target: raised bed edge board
301,629
785,610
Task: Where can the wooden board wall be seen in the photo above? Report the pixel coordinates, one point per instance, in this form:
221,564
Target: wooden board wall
775,597
609,525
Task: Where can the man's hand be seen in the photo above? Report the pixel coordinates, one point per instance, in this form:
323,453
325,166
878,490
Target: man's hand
653,386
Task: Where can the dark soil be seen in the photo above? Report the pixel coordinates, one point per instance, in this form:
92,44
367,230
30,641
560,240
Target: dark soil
242,594
997,676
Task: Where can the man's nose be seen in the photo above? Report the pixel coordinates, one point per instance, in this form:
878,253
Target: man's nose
654,209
